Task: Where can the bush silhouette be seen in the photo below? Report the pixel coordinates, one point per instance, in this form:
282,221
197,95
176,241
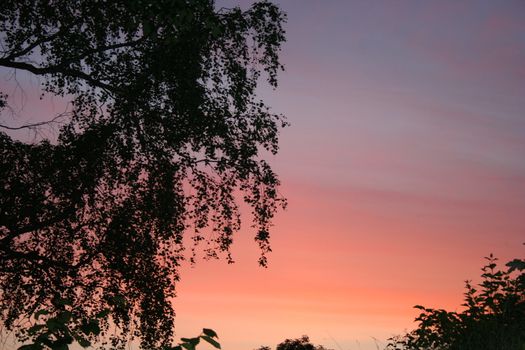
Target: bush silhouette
302,343
493,318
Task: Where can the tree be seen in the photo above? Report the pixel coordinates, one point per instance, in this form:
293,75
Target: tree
264,347
493,318
302,343
165,136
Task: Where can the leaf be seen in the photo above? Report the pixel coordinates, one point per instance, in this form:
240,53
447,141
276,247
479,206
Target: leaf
188,346
43,339
53,324
193,341
31,347
67,339
90,327
64,302
210,332
83,342
60,346
516,264
211,341
34,329
147,28
118,301
64,317
102,314
40,312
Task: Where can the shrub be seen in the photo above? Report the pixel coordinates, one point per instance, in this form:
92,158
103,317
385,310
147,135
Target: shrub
493,317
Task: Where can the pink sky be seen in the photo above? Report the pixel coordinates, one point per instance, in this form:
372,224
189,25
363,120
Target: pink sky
403,166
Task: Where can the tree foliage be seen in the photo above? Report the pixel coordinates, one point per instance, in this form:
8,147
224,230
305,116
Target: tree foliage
493,318
166,134
52,330
302,343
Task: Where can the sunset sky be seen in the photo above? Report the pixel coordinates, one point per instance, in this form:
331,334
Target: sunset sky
404,166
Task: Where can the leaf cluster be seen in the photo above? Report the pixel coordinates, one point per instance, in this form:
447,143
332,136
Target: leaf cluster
302,343
56,331
493,317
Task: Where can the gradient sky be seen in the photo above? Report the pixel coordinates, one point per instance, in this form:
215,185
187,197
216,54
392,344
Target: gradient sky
404,166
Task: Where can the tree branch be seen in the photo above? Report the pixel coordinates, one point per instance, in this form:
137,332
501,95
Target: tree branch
59,70
13,233
34,125
30,256
107,48
29,48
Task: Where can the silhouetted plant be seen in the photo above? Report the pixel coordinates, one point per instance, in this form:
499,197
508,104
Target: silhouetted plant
56,331
493,318
164,140
264,347
302,343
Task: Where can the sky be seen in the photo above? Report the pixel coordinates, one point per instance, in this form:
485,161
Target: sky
403,167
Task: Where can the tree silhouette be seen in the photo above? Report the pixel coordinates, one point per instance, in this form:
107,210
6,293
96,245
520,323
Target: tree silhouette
164,136
302,343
